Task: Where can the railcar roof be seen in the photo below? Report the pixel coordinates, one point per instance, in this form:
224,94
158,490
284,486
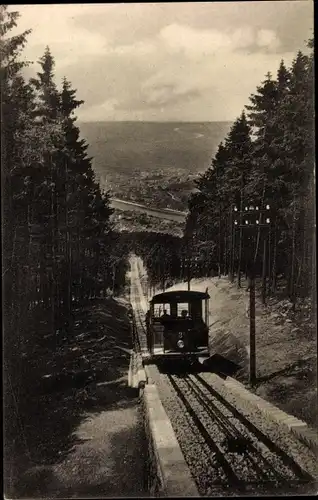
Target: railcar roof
179,296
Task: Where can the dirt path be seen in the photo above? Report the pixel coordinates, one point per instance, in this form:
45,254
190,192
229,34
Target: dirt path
83,425
109,459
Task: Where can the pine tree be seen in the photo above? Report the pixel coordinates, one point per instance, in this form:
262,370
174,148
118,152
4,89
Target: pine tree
276,168
55,219
87,209
13,104
237,178
17,157
221,187
47,115
73,156
297,115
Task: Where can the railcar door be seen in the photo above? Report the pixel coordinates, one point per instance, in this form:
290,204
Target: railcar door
200,334
158,328
206,319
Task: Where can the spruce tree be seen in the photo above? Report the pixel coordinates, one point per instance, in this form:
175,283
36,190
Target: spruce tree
276,169
296,112
87,208
47,115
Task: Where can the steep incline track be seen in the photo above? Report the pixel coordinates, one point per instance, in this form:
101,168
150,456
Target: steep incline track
227,454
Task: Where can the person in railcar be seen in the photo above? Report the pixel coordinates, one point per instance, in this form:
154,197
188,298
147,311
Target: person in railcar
185,314
165,315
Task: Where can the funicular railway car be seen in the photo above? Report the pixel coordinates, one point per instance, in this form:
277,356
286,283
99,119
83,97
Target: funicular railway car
177,325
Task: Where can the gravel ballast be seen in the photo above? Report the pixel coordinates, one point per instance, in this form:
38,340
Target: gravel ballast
225,456
277,433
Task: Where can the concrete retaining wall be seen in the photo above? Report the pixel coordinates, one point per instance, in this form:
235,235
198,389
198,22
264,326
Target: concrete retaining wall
168,473
300,429
137,377
155,483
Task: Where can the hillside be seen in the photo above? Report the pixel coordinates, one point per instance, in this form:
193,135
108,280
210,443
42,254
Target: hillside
85,377
285,344
152,162
132,221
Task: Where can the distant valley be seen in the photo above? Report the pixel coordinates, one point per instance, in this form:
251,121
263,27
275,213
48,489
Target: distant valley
152,162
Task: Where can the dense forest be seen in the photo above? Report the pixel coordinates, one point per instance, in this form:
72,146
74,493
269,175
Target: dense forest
60,247
161,254
254,211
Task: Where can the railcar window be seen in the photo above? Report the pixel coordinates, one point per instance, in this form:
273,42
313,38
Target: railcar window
203,310
159,310
182,307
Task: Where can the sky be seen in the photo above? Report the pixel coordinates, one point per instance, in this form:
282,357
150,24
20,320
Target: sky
187,61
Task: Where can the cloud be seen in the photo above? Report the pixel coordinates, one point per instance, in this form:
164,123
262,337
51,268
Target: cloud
194,42
191,41
268,39
195,61
54,26
242,37
144,48
106,108
128,22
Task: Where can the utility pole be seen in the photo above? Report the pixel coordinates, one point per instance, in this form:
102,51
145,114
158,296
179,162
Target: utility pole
252,329
264,270
220,252
240,235
189,262
232,248
114,276
188,259
252,219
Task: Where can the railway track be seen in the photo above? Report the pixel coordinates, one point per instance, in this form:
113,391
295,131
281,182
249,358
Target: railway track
139,317
239,457
226,453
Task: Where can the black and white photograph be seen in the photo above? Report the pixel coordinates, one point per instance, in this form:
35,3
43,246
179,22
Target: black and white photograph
158,193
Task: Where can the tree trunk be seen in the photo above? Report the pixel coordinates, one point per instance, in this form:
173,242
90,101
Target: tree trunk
53,255
313,273
220,247
293,256
252,370
225,271
232,249
269,261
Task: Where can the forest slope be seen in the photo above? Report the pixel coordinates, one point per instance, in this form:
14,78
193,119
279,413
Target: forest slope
81,382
